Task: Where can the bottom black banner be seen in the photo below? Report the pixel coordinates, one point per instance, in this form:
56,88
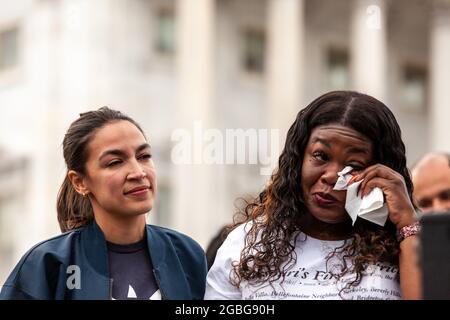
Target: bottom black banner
181,310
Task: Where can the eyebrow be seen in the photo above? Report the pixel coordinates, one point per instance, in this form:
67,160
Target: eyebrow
350,150
118,152
358,150
325,142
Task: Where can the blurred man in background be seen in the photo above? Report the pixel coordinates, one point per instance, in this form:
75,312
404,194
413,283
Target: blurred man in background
431,179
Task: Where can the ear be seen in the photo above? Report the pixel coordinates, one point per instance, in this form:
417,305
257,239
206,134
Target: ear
78,182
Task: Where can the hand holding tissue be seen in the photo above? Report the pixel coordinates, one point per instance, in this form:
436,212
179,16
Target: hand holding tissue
371,207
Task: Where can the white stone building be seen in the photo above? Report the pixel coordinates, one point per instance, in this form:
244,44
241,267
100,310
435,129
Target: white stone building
250,64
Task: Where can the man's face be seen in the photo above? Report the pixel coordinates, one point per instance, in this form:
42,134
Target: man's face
431,179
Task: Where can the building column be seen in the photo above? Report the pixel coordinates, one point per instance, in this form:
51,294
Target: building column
369,48
193,201
439,76
284,61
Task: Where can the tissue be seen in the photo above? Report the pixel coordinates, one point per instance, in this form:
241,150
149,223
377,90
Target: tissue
371,207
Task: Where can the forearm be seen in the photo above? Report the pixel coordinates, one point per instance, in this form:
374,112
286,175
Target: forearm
410,272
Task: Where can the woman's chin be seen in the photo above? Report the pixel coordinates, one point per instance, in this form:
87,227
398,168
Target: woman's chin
335,221
329,216
141,209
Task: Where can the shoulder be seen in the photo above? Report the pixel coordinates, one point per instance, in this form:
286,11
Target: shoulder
56,246
236,238
34,272
181,258
188,251
218,281
232,246
175,238
230,251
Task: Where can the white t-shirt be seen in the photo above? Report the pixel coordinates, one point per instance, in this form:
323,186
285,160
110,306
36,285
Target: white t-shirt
307,279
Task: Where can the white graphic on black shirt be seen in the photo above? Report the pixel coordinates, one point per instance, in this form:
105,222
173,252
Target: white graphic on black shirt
131,293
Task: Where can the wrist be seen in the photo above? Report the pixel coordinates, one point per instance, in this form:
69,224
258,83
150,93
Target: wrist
407,231
407,218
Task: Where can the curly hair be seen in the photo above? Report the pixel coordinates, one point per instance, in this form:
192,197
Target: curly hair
274,215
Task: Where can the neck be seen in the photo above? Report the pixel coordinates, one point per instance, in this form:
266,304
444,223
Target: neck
121,230
323,230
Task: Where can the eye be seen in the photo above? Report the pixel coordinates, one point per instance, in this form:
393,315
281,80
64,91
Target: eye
320,155
445,195
145,156
114,163
425,203
356,166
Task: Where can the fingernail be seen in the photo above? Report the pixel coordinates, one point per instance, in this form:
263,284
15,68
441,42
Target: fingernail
353,179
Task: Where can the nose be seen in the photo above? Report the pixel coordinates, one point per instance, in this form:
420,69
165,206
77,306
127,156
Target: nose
330,175
136,171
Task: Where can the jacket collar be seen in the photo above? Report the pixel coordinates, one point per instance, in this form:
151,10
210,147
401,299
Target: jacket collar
169,273
94,244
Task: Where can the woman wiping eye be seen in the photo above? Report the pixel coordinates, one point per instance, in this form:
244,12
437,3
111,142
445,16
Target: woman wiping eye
297,240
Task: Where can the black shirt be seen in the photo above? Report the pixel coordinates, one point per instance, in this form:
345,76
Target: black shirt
131,269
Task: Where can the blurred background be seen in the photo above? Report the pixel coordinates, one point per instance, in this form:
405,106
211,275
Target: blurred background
249,64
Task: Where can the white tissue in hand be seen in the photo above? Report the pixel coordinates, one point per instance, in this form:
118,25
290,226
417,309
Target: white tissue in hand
344,177
371,207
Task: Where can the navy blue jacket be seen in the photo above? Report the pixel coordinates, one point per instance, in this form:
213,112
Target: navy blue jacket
43,272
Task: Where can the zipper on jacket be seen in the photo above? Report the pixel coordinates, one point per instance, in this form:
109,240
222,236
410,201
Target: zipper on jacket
163,297
111,289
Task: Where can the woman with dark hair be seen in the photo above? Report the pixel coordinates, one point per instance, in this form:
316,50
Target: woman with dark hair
297,240
107,250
